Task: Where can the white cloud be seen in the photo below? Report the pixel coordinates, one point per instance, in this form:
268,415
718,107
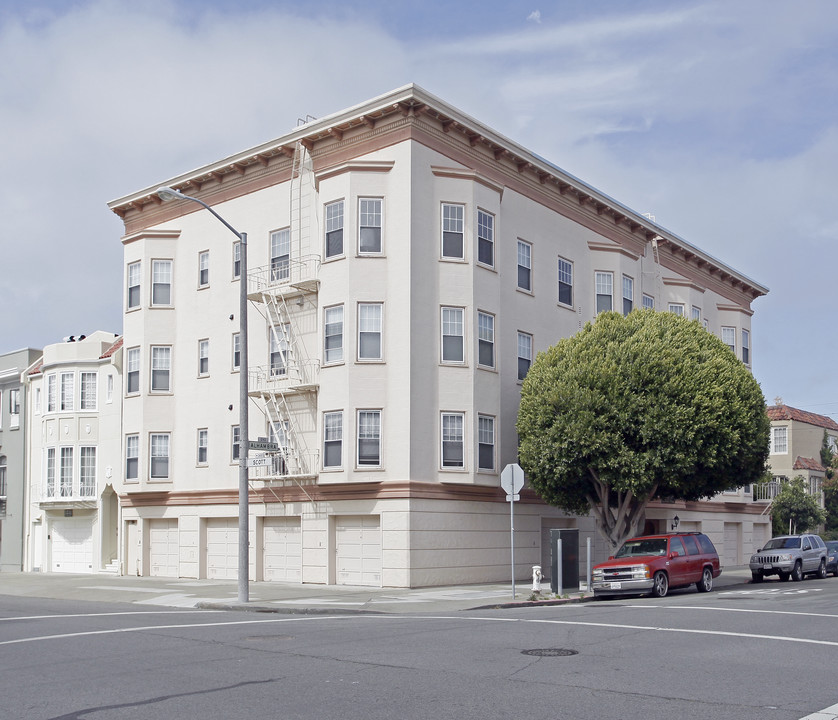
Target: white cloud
535,16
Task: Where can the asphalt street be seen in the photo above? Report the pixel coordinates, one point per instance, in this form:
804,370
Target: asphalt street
743,651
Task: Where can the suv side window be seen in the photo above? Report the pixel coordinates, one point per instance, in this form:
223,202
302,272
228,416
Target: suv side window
706,545
818,541
806,544
675,545
690,544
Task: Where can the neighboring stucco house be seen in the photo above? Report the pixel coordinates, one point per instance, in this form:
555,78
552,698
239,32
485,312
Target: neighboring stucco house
407,264
74,455
12,456
796,440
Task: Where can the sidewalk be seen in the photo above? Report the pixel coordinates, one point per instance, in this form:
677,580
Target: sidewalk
296,598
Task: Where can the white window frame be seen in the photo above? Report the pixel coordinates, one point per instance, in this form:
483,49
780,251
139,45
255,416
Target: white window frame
132,370
49,473
695,313
779,440
524,353
729,337
162,277
746,346
67,392
334,223
132,458
157,443
280,253
235,444
203,357
524,266
237,260
108,389
565,281
371,218
648,302
52,392
88,390
235,352
628,294
604,288
203,269
66,465
333,334
87,471
452,326
133,285
332,437
370,325
485,238
485,338
279,350
450,433
160,357
369,430
485,439
202,450
677,309
452,224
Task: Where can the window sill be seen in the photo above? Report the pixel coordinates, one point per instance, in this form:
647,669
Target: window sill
455,260
134,309
453,364
364,361
565,306
203,287
524,291
334,363
333,258
487,368
459,470
371,255
368,468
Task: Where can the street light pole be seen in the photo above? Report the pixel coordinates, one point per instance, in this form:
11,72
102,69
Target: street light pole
167,193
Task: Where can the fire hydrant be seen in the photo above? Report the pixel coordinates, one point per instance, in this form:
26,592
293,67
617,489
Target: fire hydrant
536,578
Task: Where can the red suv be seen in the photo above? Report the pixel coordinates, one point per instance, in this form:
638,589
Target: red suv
654,563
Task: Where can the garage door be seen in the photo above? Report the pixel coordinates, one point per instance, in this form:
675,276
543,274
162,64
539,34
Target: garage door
164,548
732,543
358,546
222,548
282,549
72,545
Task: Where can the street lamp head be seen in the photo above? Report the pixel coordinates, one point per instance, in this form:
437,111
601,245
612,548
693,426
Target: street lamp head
166,193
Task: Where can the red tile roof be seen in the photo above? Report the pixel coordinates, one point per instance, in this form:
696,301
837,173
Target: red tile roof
112,349
37,369
803,463
784,412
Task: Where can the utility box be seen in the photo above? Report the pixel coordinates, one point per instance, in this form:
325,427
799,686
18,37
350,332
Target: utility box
570,559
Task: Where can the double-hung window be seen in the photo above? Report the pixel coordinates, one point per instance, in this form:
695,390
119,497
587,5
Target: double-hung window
203,358
485,442
50,473
280,255
332,439
161,368
87,472
65,473
14,401
51,392
89,386
237,259
453,229
628,294
485,238
370,331
524,354
203,446
677,309
696,313
132,366
729,338
604,292
134,281
452,440
160,456
369,226
779,440
524,266
334,229
453,347
161,282
648,302
279,350
67,391
746,347
237,355
333,334
486,339
565,282
369,438
132,457
203,269
235,443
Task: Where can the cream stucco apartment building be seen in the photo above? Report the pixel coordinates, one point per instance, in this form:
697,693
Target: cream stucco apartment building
407,264
73,456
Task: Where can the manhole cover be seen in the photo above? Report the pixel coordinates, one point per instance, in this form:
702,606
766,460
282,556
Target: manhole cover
550,652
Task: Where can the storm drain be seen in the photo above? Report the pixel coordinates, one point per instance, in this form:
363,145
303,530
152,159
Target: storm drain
550,652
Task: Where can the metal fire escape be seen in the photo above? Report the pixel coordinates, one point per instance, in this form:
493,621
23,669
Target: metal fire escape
286,293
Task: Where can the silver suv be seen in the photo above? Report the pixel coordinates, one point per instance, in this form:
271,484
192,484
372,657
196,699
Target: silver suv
790,556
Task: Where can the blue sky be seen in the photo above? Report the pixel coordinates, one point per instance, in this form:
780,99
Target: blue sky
718,117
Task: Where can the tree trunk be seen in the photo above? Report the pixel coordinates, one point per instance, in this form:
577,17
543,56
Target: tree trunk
617,524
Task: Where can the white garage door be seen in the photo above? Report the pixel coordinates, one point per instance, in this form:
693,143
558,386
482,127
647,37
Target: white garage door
164,548
282,549
72,545
732,542
222,548
358,546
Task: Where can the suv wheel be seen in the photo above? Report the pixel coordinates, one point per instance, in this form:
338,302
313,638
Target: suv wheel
797,573
756,577
822,570
706,582
661,586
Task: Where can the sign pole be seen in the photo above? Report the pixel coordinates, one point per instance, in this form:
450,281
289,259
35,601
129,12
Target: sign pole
512,541
512,480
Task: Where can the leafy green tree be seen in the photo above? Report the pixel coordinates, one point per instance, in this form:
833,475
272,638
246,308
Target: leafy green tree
794,510
636,407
